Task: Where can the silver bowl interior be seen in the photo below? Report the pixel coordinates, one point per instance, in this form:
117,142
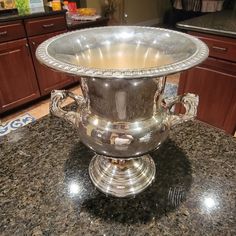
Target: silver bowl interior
123,50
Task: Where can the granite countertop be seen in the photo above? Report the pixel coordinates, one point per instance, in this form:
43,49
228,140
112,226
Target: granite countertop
36,12
46,190
218,23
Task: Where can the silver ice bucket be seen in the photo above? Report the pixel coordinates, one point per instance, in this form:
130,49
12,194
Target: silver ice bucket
122,115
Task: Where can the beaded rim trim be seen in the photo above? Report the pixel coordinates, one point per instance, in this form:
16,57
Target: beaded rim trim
200,55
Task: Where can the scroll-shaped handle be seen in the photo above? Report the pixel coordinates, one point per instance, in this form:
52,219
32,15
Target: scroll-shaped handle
58,97
190,102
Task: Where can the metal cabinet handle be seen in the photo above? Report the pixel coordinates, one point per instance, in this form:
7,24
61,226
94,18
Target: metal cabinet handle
3,33
48,25
27,48
33,43
219,48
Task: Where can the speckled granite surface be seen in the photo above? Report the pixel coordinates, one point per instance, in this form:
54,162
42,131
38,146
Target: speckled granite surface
219,23
45,188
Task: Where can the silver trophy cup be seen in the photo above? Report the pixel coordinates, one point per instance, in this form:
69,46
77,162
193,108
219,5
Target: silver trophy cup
122,115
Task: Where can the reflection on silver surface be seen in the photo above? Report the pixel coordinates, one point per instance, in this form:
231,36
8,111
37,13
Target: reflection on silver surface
122,51
122,113
118,56
122,178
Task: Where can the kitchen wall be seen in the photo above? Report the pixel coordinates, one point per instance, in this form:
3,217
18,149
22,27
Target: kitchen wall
95,4
148,12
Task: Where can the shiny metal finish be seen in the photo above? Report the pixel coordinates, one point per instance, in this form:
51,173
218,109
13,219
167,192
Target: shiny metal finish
122,178
122,113
123,118
122,51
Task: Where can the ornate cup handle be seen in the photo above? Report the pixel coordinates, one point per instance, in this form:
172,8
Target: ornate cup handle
190,102
57,98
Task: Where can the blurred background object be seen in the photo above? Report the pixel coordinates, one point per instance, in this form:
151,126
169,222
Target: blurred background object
185,9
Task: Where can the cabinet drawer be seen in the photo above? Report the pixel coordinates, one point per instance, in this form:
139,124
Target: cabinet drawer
45,25
11,31
215,83
219,47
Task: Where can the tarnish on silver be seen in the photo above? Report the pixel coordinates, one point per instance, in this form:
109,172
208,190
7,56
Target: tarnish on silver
122,115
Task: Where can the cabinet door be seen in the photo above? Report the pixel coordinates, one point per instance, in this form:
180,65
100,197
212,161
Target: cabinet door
215,83
48,79
18,82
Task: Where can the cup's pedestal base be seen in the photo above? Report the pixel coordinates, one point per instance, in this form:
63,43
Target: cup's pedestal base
122,177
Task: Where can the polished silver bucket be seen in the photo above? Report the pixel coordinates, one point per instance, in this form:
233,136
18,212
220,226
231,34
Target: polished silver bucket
122,115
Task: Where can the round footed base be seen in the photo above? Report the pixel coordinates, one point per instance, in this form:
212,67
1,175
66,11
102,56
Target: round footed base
121,177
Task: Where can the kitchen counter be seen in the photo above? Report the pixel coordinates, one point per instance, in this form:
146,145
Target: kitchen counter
47,11
218,23
81,24
36,12
46,190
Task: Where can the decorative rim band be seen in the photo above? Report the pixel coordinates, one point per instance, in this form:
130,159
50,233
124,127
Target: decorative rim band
199,56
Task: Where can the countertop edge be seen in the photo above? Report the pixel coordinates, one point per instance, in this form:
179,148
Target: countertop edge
206,30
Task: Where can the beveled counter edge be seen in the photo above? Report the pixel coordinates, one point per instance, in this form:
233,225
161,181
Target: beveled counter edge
206,30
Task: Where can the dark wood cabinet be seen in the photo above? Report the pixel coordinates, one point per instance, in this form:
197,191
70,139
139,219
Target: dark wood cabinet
44,25
47,78
22,77
215,83
11,31
39,30
18,82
